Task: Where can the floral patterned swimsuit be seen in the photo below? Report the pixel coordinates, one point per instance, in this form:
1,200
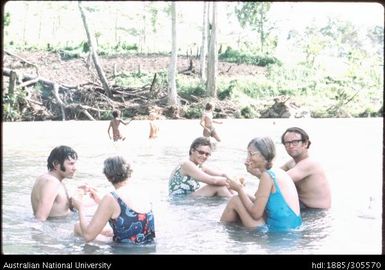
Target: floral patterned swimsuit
180,184
131,226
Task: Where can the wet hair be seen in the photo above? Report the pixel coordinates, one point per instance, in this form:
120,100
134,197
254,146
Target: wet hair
58,155
300,131
116,169
266,147
115,113
198,142
209,106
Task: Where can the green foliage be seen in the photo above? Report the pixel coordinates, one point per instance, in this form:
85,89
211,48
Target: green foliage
228,91
106,115
118,49
10,112
7,19
252,13
186,88
234,56
12,105
44,92
193,112
136,79
248,112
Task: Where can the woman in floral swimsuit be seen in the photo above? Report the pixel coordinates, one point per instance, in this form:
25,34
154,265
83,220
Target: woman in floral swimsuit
128,213
187,176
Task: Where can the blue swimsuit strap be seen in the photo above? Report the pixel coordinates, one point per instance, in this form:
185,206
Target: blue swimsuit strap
272,174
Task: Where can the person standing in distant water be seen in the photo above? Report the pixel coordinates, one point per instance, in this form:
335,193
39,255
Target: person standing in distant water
308,175
49,196
114,125
154,129
207,122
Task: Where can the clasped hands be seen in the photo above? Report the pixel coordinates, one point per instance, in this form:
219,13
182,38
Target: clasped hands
235,183
84,189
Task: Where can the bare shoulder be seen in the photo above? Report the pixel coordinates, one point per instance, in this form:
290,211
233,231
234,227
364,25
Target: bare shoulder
46,178
186,163
309,162
188,166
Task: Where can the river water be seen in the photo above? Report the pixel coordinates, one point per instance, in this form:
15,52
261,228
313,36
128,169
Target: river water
350,150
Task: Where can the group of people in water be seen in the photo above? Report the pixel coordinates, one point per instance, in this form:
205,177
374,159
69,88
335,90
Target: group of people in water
276,205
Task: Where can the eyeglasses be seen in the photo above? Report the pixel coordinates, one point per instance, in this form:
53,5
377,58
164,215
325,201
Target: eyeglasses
200,152
294,143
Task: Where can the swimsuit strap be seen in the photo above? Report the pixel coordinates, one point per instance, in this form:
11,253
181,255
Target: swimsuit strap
114,195
272,174
120,201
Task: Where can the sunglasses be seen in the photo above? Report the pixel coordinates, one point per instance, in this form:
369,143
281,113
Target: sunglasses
200,152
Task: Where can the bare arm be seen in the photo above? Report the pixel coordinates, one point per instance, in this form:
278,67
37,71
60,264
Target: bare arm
254,205
203,121
214,172
48,195
125,122
189,168
91,191
261,196
108,131
288,165
103,213
299,171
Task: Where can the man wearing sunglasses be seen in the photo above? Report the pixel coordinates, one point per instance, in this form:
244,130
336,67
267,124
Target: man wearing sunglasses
308,175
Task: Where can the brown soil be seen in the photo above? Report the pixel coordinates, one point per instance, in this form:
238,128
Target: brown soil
80,74
75,71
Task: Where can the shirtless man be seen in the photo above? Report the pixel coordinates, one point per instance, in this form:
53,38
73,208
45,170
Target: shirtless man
114,125
207,123
49,196
308,175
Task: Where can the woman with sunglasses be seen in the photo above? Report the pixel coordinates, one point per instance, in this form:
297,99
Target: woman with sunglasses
275,202
187,176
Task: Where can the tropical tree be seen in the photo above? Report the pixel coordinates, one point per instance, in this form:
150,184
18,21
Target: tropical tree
212,61
172,96
93,51
204,43
254,15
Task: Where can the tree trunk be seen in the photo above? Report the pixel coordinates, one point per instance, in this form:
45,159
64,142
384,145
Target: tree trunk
261,29
93,50
172,96
212,61
204,44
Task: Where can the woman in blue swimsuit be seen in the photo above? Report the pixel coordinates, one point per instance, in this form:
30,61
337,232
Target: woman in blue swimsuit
129,215
275,203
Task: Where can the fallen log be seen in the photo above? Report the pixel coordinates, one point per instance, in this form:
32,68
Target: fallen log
23,61
27,77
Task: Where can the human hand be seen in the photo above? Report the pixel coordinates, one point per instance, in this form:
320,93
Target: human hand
91,191
236,183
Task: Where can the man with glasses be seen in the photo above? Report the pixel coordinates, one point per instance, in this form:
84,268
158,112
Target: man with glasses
308,175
